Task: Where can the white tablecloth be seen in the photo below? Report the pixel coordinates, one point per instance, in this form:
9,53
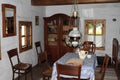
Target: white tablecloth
87,68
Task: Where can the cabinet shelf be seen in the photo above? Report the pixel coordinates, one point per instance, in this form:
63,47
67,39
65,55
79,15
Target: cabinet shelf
52,33
52,43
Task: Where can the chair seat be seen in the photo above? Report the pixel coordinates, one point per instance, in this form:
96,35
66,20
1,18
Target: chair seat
22,66
47,72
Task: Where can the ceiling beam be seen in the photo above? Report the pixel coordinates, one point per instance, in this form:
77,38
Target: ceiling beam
68,2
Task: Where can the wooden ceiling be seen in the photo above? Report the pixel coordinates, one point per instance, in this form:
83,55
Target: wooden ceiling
67,2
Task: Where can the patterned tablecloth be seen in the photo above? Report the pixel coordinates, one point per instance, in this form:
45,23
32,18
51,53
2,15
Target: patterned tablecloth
88,66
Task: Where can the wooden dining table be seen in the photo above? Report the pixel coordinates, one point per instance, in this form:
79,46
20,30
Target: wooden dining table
88,66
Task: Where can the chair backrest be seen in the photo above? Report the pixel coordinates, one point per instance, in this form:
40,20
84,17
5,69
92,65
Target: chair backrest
104,65
13,53
45,59
38,46
42,55
71,70
89,46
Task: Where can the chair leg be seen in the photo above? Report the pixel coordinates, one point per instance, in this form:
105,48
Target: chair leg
25,75
43,77
18,74
31,75
116,67
13,76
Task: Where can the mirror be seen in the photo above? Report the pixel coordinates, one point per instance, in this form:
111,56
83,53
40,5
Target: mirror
9,20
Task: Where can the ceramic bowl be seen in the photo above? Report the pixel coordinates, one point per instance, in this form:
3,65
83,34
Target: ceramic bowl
89,56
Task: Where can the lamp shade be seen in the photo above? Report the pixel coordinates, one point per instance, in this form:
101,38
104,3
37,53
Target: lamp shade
75,33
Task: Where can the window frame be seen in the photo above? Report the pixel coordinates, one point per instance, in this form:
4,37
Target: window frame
28,24
94,21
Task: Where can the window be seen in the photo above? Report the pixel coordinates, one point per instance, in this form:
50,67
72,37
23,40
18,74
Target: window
25,35
95,31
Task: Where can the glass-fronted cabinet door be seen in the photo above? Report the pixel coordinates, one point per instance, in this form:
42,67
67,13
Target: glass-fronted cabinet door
66,28
67,24
52,30
51,35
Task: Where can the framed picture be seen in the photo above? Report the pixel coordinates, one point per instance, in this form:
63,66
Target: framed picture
36,20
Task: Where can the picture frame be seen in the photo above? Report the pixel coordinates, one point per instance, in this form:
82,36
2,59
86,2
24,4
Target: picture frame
36,20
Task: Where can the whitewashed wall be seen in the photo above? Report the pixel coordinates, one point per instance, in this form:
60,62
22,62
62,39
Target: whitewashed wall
95,11
24,12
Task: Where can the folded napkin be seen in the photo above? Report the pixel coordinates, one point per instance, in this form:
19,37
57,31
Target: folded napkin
74,61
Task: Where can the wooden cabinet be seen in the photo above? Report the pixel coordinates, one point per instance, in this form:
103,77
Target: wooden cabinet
56,28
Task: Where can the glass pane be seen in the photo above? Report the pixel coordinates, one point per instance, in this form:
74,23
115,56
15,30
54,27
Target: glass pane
99,28
90,38
30,30
23,42
52,39
52,27
23,28
66,22
29,41
52,43
99,41
90,28
52,22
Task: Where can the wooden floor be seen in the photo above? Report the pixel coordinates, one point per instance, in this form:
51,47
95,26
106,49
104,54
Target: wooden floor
36,72
110,73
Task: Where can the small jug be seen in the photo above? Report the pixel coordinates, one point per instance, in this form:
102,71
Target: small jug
82,54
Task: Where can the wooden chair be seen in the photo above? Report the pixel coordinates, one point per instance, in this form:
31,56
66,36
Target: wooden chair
115,55
18,67
71,70
89,46
42,58
47,73
39,51
100,74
